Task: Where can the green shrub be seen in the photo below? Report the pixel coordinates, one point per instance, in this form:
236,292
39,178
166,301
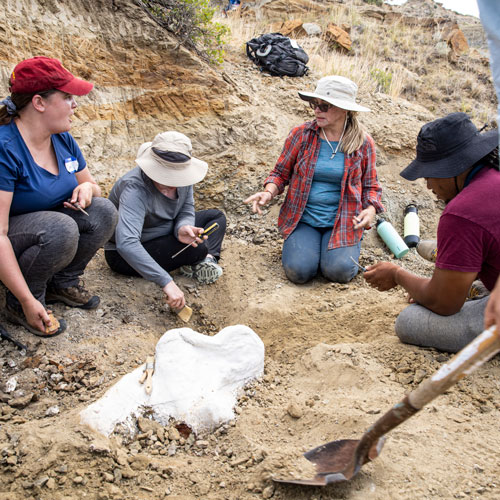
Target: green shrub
378,3
383,79
190,21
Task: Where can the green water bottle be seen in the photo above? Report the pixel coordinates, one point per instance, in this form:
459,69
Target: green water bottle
411,234
392,239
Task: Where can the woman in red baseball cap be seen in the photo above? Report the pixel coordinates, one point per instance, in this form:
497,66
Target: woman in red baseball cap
52,218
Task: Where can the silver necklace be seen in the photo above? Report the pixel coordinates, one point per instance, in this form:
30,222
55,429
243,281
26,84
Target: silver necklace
334,151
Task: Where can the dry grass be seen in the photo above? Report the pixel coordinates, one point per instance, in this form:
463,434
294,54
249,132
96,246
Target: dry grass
395,59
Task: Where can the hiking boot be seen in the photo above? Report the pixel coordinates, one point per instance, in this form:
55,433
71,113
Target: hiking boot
15,314
73,296
477,291
427,249
207,271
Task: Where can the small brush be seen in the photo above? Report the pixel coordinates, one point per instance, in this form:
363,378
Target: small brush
184,313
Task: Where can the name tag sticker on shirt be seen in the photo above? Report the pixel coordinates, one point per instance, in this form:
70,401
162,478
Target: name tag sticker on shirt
71,164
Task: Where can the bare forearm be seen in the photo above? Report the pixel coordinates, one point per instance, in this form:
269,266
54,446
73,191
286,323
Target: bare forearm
415,285
422,291
10,273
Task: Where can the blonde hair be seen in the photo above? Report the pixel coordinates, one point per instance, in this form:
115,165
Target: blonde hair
354,135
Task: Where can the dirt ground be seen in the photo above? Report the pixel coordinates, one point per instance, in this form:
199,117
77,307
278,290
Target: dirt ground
333,363
333,366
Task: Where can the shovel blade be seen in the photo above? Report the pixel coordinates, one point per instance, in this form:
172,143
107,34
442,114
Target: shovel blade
335,462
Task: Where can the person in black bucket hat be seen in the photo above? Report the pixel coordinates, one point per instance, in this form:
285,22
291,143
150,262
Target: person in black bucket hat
448,147
460,166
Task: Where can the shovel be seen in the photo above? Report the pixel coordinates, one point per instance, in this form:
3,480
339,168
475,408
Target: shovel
341,460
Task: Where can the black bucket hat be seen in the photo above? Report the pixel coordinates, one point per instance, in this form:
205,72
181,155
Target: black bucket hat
449,146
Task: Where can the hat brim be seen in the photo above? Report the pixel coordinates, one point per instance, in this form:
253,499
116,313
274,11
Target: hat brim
453,164
177,176
340,103
76,87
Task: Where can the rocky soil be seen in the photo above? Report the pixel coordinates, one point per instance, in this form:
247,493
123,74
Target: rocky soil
333,364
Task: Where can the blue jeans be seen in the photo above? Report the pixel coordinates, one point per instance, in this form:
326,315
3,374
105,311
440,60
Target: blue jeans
56,245
306,250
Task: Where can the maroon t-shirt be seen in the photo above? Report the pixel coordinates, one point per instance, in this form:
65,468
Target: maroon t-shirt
469,229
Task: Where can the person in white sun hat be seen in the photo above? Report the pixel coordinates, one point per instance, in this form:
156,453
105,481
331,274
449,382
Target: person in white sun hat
156,218
333,192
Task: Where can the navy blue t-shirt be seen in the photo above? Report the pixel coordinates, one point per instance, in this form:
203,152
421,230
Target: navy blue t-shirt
34,187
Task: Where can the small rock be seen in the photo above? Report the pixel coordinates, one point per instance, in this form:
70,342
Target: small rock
173,434
121,457
53,410
128,473
11,384
109,478
22,401
345,349
78,480
294,410
268,492
51,483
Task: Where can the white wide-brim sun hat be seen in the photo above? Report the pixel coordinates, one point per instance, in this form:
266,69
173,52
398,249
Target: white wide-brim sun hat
336,90
168,161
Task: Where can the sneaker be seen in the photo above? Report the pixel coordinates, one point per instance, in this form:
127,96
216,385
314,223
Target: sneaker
427,249
74,296
15,315
187,271
207,271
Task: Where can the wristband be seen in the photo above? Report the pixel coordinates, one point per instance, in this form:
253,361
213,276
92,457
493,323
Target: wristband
267,191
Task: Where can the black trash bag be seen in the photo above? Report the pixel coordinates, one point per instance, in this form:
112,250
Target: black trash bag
278,55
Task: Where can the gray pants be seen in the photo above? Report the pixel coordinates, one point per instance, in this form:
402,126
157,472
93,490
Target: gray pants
56,245
419,326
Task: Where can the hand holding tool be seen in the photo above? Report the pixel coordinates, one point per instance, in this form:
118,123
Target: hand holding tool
147,376
358,264
205,232
77,206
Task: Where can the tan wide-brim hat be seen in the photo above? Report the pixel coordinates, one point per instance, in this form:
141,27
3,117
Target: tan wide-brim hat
168,161
336,90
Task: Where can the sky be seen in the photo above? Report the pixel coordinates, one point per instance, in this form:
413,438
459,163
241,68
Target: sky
468,7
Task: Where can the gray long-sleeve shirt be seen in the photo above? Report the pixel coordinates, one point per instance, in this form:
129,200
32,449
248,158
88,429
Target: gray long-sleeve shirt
143,215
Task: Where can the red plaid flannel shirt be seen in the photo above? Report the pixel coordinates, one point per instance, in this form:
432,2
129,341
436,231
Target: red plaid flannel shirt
295,167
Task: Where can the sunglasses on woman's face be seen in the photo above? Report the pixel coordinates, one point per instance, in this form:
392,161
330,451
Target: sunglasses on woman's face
322,106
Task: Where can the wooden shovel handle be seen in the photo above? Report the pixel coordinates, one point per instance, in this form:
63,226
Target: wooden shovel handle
472,356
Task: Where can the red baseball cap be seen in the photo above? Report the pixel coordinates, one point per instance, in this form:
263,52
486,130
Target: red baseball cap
44,73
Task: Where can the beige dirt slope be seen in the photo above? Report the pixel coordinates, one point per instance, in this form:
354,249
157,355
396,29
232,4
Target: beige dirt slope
333,363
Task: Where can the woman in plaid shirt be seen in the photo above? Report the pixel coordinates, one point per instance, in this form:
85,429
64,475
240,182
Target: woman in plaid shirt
333,191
